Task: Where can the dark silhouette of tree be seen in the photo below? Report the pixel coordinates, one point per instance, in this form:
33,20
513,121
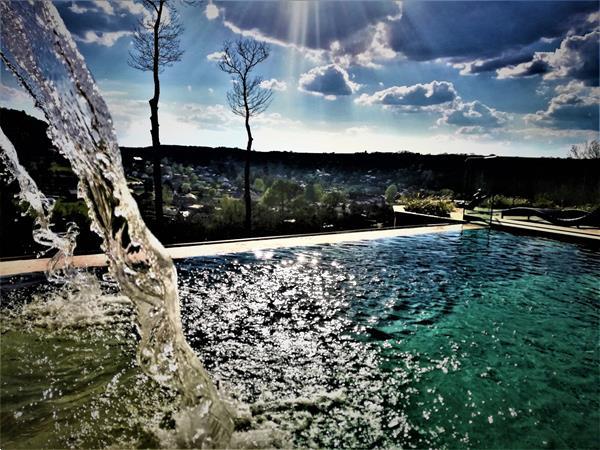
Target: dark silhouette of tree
247,98
588,150
156,46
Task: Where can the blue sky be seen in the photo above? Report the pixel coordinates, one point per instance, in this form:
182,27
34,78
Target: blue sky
510,78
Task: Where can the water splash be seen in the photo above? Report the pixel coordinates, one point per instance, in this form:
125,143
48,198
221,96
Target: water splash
38,49
40,207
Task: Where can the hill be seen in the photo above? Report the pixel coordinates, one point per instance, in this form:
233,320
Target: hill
293,192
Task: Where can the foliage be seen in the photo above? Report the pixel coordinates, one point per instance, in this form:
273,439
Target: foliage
185,188
334,198
167,195
70,211
390,194
259,185
543,201
313,193
59,168
230,212
280,192
428,205
503,202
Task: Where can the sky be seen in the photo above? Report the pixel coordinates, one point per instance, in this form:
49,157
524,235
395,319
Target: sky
508,78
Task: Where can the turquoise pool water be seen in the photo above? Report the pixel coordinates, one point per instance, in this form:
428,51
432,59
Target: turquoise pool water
446,340
467,340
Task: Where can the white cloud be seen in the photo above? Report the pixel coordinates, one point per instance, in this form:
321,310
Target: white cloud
370,47
575,106
76,8
577,57
105,6
211,11
359,130
274,84
220,117
275,120
189,88
417,96
254,33
127,114
214,125
473,117
107,39
130,6
207,116
215,56
398,15
19,99
328,81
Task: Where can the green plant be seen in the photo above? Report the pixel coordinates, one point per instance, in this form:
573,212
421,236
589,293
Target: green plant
313,192
333,199
280,193
185,188
230,212
167,195
259,185
504,202
390,194
428,205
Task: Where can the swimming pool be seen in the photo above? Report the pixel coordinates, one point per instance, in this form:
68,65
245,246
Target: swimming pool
473,339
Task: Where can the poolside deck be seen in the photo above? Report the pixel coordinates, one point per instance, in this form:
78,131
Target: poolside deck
22,266
585,234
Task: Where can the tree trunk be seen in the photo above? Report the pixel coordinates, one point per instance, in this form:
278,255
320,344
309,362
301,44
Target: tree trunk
156,151
247,198
156,154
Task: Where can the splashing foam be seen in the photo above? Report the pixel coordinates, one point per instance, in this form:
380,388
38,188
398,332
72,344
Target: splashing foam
40,207
38,49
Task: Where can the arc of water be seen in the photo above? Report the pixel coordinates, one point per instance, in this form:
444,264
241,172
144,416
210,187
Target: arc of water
38,49
40,206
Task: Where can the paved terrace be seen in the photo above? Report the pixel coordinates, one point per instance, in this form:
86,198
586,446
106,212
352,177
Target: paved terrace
587,234
536,226
23,266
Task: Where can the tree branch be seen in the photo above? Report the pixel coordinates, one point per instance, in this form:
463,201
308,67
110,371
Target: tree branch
247,97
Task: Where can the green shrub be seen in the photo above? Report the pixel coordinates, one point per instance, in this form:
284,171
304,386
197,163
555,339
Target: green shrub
390,194
543,201
428,205
259,185
504,202
185,188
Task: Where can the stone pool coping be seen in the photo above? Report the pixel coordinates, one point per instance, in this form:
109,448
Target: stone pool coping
22,266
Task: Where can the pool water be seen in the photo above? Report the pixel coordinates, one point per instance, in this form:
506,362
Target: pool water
473,339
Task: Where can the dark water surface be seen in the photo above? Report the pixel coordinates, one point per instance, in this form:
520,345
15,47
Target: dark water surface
443,340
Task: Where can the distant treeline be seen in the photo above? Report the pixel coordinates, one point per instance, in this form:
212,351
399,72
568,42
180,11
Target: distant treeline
566,181
440,171
559,181
461,173
361,178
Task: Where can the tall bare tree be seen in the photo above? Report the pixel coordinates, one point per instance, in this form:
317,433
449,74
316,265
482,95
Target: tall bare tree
156,45
247,98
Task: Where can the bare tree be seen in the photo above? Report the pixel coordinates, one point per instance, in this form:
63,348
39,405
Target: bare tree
156,46
247,98
587,150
